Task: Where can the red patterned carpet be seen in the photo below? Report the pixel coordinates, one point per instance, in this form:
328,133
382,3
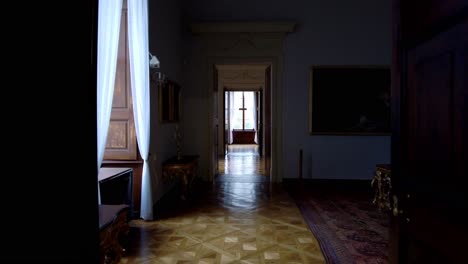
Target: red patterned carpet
349,228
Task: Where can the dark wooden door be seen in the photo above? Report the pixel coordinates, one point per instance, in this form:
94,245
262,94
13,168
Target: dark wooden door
267,120
215,122
259,112
429,132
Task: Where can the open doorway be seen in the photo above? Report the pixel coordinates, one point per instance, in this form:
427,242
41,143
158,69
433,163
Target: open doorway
242,154
243,116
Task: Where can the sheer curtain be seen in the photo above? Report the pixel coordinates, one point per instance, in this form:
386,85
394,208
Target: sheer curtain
139,77
235,102
255,115
231,115
250,113
109,12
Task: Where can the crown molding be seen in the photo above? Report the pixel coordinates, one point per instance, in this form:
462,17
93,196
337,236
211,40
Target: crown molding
243,27
241,67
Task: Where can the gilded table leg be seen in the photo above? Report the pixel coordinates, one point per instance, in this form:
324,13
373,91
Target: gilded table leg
184,186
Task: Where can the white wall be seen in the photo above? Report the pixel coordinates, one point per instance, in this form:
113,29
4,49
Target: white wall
329,32
164,26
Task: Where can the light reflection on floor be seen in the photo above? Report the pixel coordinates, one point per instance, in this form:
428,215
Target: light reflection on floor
242,160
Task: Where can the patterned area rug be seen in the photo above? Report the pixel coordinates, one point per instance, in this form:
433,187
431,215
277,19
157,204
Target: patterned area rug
349,228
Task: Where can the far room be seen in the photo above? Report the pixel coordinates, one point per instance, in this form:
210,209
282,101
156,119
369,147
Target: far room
241,116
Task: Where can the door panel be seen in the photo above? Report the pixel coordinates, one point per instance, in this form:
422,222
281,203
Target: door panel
215,122
429,174
267,120
260,130
226,121
435,193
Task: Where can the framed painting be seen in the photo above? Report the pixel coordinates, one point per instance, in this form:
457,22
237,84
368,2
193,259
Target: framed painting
349,100
169,102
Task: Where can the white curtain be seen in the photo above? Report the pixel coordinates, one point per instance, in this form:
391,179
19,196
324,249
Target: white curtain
227,116
109,12
254,114
233,114
251,113
139,76
249,103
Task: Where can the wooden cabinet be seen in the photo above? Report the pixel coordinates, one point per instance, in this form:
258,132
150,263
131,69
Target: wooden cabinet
116,186
243,136
137,169
113,231
382,184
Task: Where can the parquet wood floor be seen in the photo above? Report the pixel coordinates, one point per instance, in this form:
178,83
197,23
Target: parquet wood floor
235,219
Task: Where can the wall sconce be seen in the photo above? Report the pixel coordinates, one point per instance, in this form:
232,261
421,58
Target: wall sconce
153,62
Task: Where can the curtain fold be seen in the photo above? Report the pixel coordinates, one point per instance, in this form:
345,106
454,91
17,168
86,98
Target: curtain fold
233,115
109,14
254,115
249,104
227,121
139,77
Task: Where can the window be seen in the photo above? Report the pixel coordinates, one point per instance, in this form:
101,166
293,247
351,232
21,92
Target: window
121,138
243,110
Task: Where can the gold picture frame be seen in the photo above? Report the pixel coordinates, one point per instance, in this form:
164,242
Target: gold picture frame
169,101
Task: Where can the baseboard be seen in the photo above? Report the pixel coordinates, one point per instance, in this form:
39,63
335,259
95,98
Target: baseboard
135,215
330,184
168,203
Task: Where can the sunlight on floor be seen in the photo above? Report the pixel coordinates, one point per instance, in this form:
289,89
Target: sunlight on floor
242,159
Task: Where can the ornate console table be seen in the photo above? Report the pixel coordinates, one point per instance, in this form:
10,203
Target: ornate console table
382,185
113,230
186,168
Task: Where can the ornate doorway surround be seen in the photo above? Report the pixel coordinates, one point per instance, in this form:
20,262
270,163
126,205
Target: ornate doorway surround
246,43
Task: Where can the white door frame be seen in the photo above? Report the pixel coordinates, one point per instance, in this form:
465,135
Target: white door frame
245,43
